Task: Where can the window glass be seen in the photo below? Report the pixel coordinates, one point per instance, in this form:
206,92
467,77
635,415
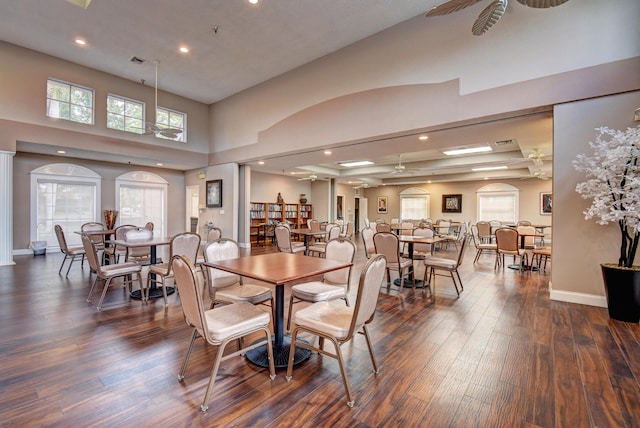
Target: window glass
125,114
415,207
498,206
69,102
167,118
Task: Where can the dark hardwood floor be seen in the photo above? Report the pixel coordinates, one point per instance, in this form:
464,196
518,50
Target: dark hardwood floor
502,355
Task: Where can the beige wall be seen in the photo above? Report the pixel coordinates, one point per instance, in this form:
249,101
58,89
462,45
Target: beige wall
579,246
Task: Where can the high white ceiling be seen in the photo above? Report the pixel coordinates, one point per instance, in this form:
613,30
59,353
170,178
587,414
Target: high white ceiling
251,45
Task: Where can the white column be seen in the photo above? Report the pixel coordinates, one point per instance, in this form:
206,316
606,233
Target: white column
6,208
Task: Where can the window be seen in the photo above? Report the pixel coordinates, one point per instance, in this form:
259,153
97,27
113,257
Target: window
69,102
141,197
63,194
125,114
414,204
172,119
498,202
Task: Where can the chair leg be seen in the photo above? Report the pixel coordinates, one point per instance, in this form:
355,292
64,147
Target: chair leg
104,293
69,267
343,372
212,379
289,316
93,286
194,336
62,264
373,358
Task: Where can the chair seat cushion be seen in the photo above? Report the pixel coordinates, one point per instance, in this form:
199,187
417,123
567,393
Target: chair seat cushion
75,250
250,293
326,317
440,262
404,263
487,246
318,291
237,318
120,269
159,269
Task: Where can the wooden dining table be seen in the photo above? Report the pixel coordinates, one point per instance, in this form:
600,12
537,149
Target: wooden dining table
154,291
278,269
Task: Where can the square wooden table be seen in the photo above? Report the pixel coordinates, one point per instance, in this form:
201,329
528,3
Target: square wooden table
278,269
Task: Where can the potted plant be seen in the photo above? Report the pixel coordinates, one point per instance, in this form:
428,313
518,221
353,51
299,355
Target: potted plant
613,184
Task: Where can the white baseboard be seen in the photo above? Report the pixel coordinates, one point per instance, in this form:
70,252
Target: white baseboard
580,298
22,252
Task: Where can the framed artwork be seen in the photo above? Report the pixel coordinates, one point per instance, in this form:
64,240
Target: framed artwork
451,203
546,203
214,194
382,205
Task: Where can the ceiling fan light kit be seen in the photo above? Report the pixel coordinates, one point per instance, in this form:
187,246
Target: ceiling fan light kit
154,128
491,14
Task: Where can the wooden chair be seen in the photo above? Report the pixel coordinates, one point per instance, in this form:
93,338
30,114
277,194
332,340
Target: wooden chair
339,324
220,326
71,253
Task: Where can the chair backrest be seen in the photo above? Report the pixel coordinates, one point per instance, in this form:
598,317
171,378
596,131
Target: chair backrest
383,227
387,244
350,229
406,228
283,238
339,222
367,223
121,230
314,225
443,228
341,250
462,231
185,244
221,249
524,223
395,221
91,253
527,230
495,223
190,298
367,238
368,290
507,239
463,245
138,253
484,229
423,232
92,227
149,225
213,234
474,235
62,242
334,231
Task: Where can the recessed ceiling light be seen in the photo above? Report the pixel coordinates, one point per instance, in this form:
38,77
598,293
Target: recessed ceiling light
486,178
489,168
159,163
356,163
80,42
260,162
184,49
428,181
62,152
424,137
327,152
253,1
468,151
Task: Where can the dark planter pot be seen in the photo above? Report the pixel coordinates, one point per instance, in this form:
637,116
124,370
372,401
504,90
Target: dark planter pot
623,292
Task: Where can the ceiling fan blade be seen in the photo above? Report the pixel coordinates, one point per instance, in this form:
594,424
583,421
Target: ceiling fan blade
489,16
170,132
450,7
542,4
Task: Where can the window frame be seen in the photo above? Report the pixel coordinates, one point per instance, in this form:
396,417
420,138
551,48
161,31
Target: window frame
493,191
415,193
182,137
124,115
69,102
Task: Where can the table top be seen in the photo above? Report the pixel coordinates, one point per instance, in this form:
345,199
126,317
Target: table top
309,232
104,232
278,268
420,239
132,243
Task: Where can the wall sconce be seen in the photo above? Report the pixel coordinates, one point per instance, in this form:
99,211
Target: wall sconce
202,175
202,207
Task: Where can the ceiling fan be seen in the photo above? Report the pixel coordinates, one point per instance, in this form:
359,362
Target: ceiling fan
154,128
364,186
312,177
491,14
537,157
402,169
540,174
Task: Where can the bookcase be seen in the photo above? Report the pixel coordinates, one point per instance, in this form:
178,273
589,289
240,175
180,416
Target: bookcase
270,212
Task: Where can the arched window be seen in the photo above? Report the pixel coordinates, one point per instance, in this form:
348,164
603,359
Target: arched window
64,194
141,197
498,202
414,204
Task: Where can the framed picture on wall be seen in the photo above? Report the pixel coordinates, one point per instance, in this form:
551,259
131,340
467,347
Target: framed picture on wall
382,205
214,194
451,203
546,203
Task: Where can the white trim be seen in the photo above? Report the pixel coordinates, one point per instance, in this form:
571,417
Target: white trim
576,297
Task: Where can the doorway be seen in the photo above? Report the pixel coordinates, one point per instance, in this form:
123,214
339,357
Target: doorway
193,199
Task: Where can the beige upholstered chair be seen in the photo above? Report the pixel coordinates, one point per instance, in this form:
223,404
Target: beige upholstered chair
113,252
529,243
213,234
540,254
481,246
524,223
421,250
383,227
183,244
388,244
484,232
225,287
334,284
138,254
406,229
97,238
220,326
71,253
350,229
108,272
508,243
319,248
432,265
283,240
367,238
339,324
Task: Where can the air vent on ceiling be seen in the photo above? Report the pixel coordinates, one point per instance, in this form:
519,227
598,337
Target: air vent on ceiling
505,142
136,60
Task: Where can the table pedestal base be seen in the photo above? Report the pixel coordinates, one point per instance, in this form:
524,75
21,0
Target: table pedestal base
260,357
408,283
516,266
154,293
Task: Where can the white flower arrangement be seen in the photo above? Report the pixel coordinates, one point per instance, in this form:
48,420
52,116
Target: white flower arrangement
613,182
